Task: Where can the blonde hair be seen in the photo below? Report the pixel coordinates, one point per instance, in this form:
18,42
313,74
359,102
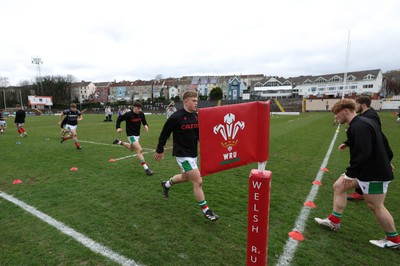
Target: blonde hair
344,104
188,94
72,105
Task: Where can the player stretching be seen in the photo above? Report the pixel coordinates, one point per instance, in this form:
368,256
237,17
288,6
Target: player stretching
133,121
185,127
73,115
20,120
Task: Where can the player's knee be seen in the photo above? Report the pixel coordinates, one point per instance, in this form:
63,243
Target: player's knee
336,186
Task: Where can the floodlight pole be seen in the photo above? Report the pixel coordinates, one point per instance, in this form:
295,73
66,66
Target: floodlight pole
37,61
152,92
4,96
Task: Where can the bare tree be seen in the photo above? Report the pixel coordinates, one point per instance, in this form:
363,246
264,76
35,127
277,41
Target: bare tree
4,82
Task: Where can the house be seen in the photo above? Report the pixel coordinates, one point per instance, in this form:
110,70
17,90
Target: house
271,87
236,88
367,82
81,91
173,92
101,93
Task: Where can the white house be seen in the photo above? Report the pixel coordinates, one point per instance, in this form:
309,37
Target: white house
173,92
82,91
368,82
272,87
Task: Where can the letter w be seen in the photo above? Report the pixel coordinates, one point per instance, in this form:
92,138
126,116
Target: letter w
257,184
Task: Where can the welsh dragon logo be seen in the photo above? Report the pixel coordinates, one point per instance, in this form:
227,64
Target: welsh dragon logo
229,131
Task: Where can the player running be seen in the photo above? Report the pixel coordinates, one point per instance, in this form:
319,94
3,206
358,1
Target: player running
20,120
185,128
133,121
73,115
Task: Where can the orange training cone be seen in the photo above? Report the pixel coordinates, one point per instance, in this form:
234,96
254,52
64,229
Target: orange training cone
310,204
112,160
296,235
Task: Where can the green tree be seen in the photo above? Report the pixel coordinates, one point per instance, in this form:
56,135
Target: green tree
58,87
216,94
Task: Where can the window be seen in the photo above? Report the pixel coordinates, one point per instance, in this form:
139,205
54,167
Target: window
332,88
336,78
351,78
307,81
273,84
368,86
320,80
369,76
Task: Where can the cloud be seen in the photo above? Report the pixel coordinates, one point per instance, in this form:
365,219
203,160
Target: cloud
121,39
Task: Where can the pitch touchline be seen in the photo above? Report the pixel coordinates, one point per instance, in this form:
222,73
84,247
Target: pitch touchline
291,244
87,242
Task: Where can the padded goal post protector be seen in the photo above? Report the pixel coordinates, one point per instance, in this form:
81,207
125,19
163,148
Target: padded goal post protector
233,135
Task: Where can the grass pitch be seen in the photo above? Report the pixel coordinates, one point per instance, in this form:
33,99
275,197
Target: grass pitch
117,205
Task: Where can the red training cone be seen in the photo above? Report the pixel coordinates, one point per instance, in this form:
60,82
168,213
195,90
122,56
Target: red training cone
324,169
112,160
296,235
310,204
74,169
17,181
316,182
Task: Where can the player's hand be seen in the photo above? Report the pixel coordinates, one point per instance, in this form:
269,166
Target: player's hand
146,128
158,156
342,147
119,130
59,122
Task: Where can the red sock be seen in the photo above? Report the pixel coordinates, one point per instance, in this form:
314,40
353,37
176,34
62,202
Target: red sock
23,129
19,131
76,144
334,219
395,239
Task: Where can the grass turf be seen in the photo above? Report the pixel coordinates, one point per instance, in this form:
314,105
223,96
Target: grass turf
117,205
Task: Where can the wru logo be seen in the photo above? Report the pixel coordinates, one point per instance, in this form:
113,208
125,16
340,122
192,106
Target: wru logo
229,130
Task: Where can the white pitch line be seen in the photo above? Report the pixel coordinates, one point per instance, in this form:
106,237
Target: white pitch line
129,156
99,143
87,242
106,144
134,155
291,244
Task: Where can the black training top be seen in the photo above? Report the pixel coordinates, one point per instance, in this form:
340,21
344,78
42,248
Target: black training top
133,122
372,114
20,116
185,128
369,157
72,116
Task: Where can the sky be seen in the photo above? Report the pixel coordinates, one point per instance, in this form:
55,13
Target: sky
128,40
